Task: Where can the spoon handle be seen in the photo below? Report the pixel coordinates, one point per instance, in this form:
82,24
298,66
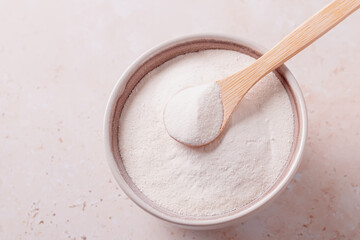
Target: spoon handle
306,33
236,86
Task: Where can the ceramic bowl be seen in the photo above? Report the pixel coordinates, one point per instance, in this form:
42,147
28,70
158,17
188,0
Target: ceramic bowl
154,58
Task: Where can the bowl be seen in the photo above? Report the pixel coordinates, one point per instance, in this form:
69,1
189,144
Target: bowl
154,58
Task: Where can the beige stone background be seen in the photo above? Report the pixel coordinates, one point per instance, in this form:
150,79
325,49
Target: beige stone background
59,61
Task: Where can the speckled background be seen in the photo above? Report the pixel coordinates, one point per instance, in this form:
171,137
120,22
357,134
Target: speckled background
59,61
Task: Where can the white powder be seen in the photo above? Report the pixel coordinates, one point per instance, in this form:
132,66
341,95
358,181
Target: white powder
235,169
194,115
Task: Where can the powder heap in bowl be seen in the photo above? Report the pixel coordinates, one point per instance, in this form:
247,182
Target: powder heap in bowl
229,173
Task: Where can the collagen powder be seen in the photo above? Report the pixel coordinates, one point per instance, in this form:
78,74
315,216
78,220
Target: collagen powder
194,116
229,173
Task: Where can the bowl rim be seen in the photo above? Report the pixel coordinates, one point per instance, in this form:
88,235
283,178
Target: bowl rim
222,220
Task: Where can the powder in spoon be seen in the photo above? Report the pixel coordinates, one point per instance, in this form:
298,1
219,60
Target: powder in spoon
235,169
194,115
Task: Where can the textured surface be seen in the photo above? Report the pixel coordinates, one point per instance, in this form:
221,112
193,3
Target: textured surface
59,61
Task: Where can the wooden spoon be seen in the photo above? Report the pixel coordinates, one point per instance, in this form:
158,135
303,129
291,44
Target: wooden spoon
236,86
233,88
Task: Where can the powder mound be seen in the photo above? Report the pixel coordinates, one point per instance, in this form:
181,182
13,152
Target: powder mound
194,115
231,172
